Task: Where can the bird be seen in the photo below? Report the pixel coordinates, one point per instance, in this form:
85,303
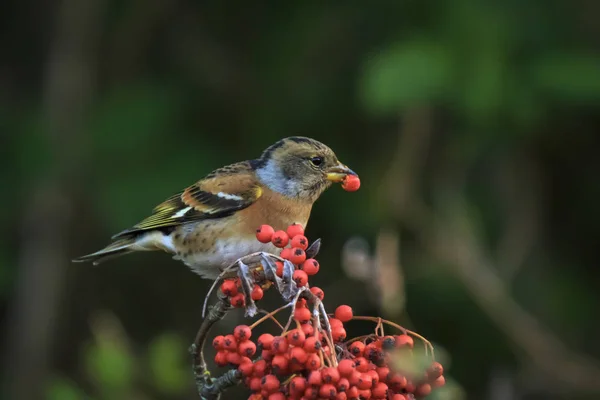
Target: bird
212,223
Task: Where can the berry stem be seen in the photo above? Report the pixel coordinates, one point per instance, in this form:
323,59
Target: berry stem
427,343
332,360
269,315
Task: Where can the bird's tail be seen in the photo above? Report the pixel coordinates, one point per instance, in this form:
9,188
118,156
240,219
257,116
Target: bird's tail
116,249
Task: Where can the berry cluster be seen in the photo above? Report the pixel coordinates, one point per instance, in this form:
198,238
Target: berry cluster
311,357
293,244
304,363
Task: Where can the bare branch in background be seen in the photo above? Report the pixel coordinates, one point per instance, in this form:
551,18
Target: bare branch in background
522,211
449,235
43,254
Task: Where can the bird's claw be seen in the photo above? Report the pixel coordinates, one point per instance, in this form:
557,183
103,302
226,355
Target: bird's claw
247,281
313,249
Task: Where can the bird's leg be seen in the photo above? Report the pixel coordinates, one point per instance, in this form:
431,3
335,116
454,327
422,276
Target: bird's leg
313,249
247,281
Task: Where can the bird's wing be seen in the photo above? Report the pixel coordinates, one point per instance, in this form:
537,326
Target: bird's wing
220,194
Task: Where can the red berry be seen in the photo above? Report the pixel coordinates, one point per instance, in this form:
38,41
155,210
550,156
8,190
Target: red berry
255,384
308,330
328,391
405,341
354,378
218,342
229,343
229,288
341,395
270,383
265,341
257,293
234,358
399,396
335,323
299,241
280,239
313,362
247,348
383,373
364,381
343,313
238,301
279,267
298,355
221,358
242,332
330,375
346,367
267,355
302,315
423,390
296,337
357,349
396,381
362,364
364,394
352,392
373,352
279,364
311,392
338,334
351,183
298,256
286,253
312,344
314,378
246,368
276,396
374,376
439,382
343,385
380,391
264,234
435,371
294,230
310,266
280,344
300,278
260,368
298,385
317,292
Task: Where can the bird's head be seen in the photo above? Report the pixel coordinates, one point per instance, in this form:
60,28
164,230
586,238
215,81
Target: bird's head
300,167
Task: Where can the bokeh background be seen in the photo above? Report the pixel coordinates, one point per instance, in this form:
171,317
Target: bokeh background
473,125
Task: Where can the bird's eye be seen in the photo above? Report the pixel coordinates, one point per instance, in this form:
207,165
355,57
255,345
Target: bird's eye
316,161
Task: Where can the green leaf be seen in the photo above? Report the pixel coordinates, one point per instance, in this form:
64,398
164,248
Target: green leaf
168,367
63,389
110,366
405,75
568,76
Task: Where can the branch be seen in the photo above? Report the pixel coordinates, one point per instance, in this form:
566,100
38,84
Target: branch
453,241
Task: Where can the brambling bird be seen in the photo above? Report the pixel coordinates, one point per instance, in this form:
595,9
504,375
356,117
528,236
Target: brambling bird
211,224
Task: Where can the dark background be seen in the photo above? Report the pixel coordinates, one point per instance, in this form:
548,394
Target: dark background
473,125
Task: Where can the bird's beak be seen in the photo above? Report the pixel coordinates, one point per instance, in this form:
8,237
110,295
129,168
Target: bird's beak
338,173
